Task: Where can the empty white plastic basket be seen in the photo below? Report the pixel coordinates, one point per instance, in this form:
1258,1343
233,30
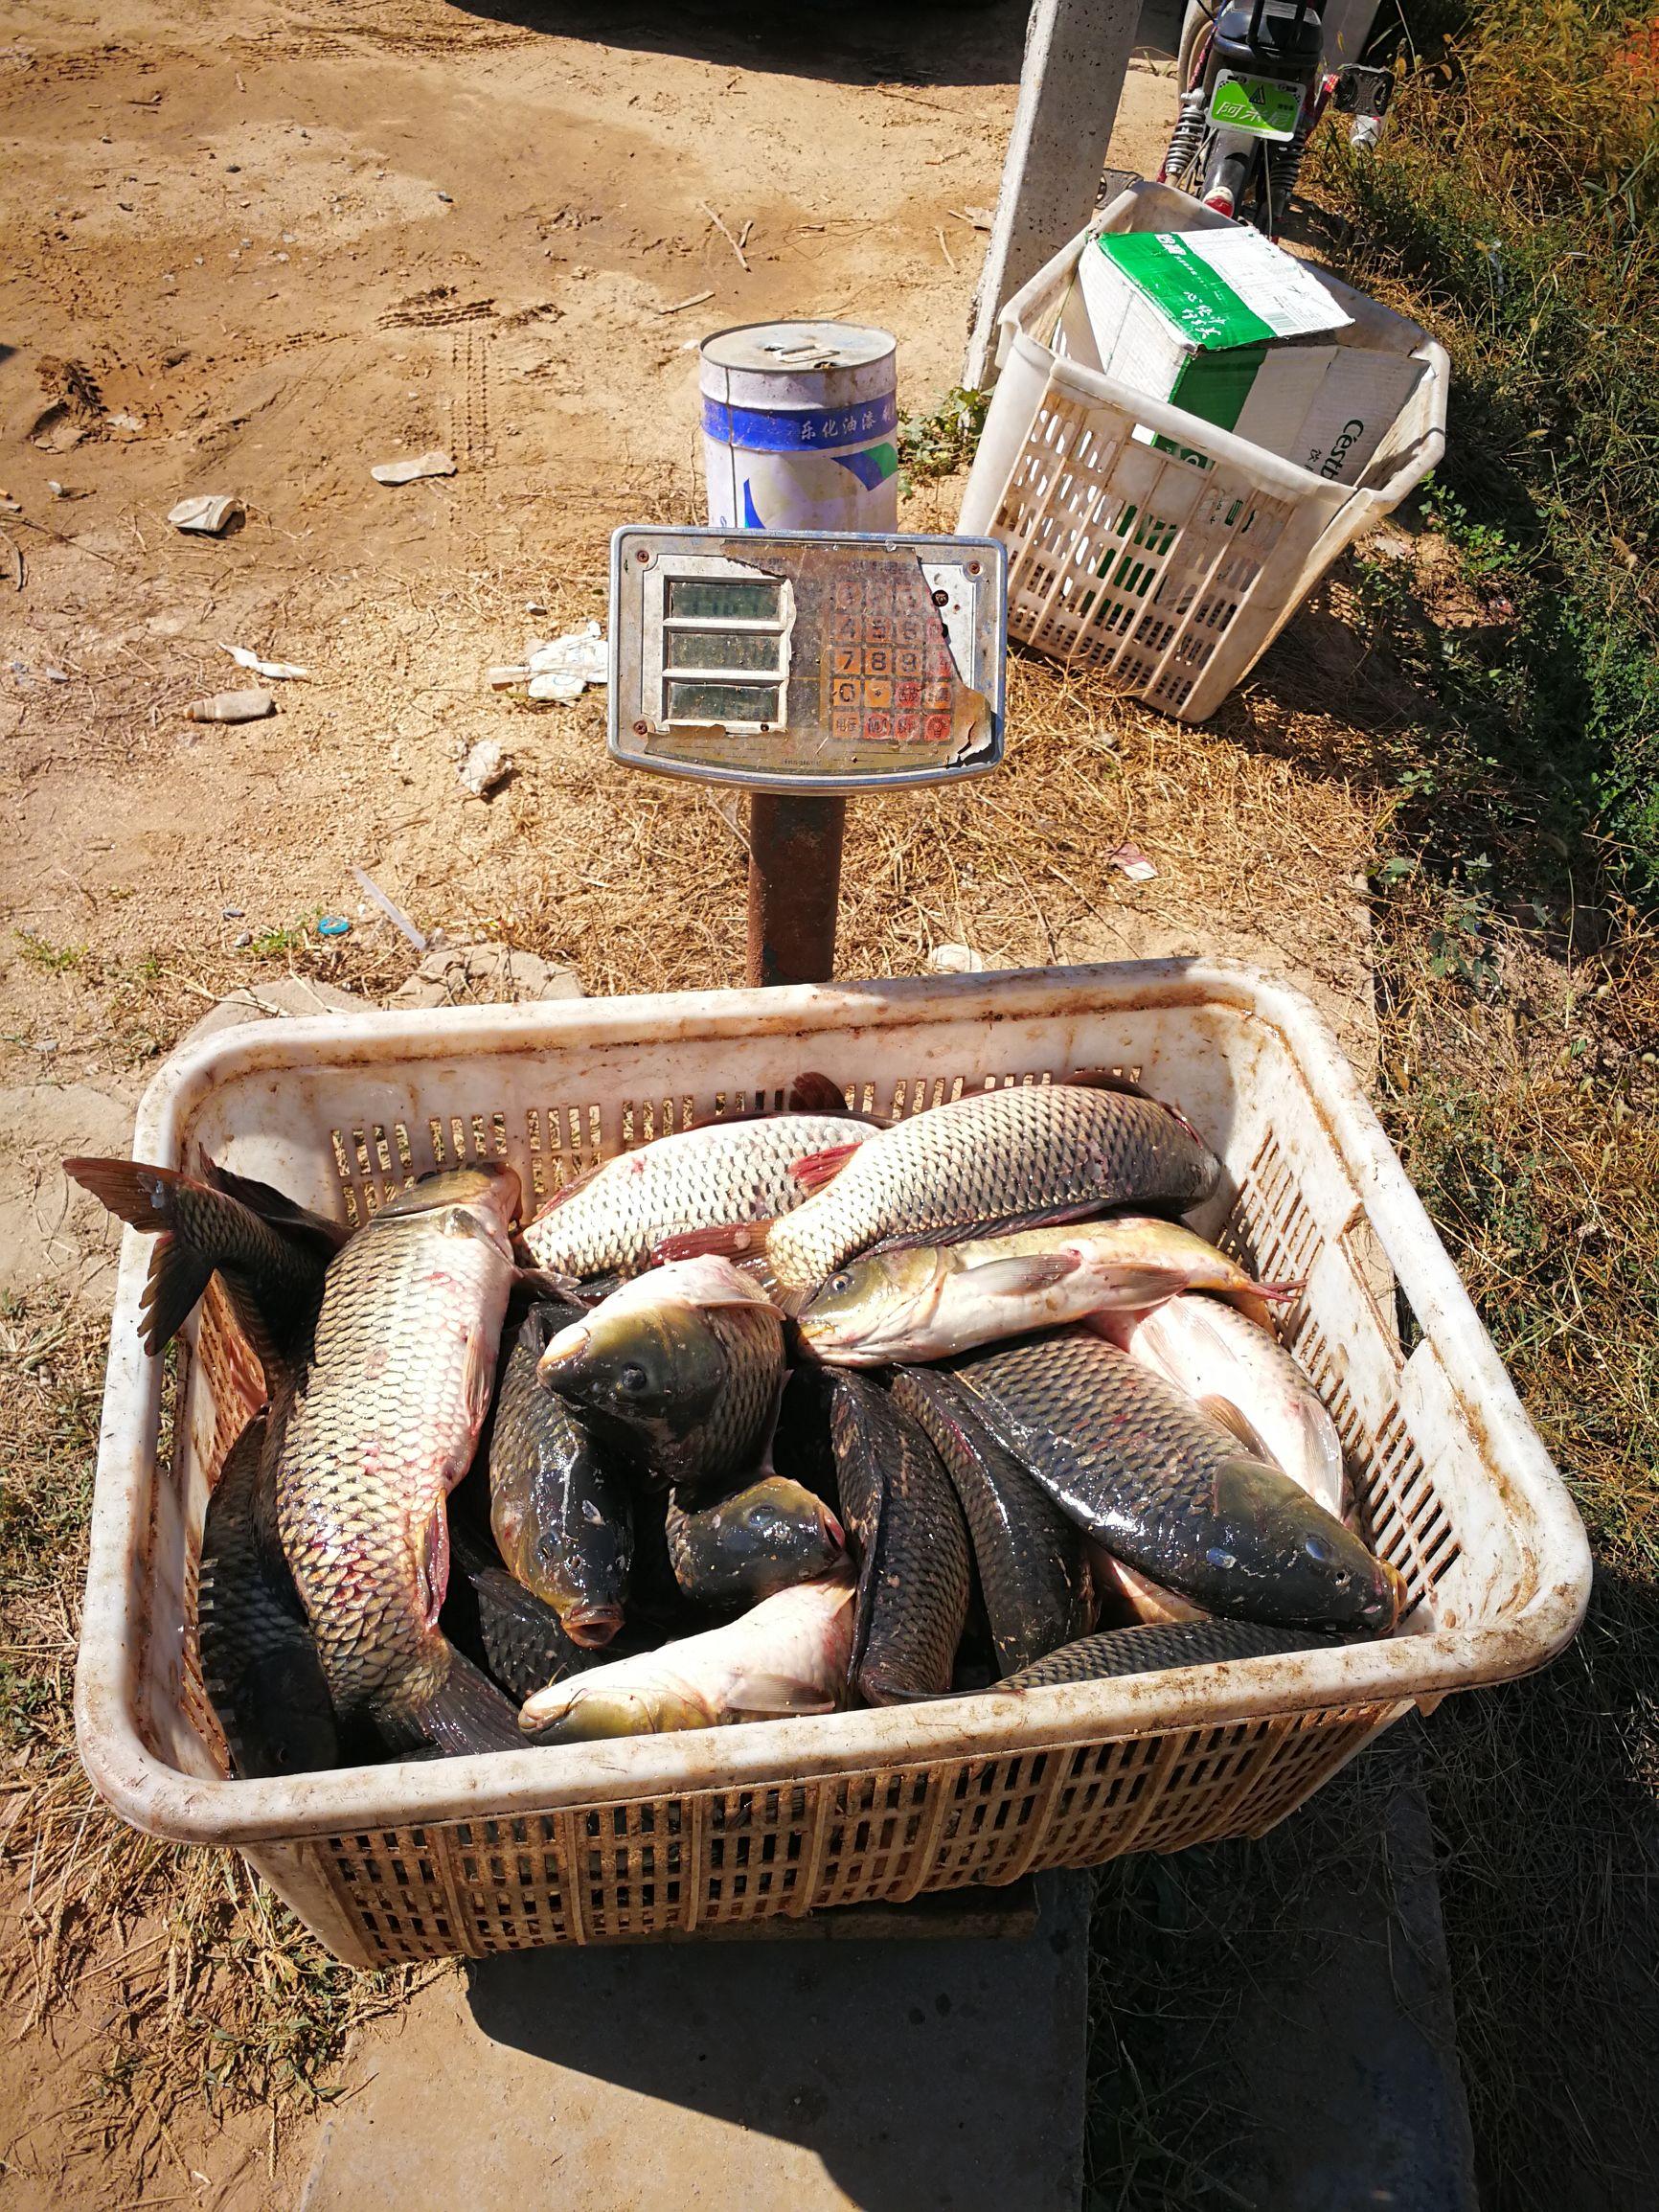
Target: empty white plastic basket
1172,577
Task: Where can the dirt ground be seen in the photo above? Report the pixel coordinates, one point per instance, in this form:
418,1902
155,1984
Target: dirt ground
256,252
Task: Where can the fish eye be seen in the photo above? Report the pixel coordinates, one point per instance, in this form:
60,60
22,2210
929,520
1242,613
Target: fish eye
1222,1560
631,1382
843,1281
1317,1547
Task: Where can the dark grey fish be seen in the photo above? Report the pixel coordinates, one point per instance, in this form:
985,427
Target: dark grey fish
739,1549
1149,1651
1137,1466
1032,1566
501,1626
259,1658
560,1508
910,1541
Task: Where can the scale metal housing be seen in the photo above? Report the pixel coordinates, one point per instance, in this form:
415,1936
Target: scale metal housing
806,661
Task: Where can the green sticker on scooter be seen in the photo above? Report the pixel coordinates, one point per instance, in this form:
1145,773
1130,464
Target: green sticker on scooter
1261,104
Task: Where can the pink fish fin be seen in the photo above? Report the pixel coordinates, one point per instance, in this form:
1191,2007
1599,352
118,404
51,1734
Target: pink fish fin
1257,1301
467,1713
724,1239
478,1374
1238,1424
1018,1278
270,1204
988,1225
816,1168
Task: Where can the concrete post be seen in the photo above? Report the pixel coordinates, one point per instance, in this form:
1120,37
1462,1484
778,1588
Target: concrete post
1077,53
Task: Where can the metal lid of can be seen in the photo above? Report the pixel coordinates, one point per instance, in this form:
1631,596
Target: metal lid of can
795,349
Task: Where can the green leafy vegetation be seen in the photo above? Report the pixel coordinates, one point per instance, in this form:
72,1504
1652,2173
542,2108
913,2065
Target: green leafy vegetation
940,443
40,952
1513,207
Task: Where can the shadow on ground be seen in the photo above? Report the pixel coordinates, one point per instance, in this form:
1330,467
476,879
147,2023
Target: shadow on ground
915,45
940,2074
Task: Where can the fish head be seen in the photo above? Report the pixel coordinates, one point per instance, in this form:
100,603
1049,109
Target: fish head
562,1578
1303,1566
778,1519
571,1714
655,1367
872,1304
284,1716
491,1184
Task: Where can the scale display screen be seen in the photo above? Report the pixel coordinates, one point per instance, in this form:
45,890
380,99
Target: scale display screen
806,662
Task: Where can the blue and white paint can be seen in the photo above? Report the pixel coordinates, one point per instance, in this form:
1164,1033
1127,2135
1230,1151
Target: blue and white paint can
800,428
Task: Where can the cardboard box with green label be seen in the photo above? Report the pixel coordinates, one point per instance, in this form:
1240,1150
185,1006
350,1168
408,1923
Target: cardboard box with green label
1224,324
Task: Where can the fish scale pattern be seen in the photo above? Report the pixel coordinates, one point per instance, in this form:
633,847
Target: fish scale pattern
561,1510
735,1432
248,1611
518,1637
1148,1651
695,1180
1133,1461
1032,1568
995,1159
378,1427
913,1570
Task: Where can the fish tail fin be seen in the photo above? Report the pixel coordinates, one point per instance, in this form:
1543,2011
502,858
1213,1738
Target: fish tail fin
466,1713
816,1168
142,1196
177,1278
270,1204
147,1197
735,1241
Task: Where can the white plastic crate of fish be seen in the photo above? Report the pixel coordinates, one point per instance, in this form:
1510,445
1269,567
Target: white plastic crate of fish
579,1841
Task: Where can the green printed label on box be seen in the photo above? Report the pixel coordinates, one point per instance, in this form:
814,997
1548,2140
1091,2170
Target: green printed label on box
1263,106
1187,288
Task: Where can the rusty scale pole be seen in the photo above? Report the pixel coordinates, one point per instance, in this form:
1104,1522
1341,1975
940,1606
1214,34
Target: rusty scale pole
794,886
